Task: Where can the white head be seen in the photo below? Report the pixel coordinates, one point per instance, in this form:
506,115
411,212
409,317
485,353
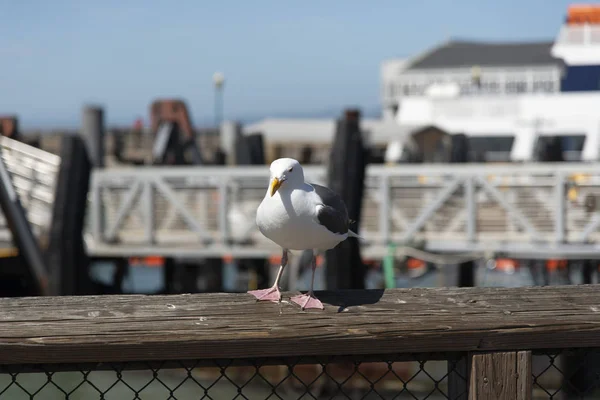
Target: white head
285,173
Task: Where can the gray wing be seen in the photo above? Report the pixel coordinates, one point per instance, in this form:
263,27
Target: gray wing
334,215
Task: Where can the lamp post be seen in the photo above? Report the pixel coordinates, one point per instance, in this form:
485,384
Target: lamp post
476,77
219,81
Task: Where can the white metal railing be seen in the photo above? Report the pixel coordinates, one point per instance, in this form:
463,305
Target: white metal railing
585,34
34,175
494,80
528,209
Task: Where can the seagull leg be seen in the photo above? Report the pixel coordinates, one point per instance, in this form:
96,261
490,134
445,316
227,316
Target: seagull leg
272,293
309,299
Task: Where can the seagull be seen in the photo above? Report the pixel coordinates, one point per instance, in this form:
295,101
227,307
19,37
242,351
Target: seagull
298,216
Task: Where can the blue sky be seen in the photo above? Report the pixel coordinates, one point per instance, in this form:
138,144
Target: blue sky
279,57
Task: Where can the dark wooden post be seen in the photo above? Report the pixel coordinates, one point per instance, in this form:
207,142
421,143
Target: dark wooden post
249,150
346,172
459,153
589,270
67,259
466,274
501,376
458,378
92,129
581,369
169,274
120,273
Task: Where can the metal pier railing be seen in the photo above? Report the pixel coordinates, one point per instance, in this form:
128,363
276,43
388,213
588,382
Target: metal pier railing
528,210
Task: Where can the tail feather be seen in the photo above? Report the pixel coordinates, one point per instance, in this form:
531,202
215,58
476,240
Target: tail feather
351,233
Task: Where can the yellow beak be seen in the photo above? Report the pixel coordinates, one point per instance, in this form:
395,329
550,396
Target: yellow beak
275,184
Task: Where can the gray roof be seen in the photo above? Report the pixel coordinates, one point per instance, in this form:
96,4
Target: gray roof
468,54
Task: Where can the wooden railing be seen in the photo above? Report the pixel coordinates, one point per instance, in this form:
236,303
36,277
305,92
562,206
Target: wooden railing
490,338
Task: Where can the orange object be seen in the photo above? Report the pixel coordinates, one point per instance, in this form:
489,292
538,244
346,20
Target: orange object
506,264
275,260
578,14
553,265
150,261
319,260
413,263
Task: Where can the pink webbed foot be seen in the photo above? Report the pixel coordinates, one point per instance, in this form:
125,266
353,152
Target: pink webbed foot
307,301
270,294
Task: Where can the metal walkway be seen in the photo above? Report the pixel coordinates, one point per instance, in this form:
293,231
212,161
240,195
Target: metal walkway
34,174
526,210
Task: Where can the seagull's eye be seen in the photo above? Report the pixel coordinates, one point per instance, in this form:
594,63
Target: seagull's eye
290,169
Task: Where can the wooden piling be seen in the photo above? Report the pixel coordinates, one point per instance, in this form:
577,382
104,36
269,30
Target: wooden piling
93,131
66,255
346,172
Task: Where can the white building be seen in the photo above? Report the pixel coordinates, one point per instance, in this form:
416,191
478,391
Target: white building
507,98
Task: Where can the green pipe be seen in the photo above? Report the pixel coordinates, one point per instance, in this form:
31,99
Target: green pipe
388,267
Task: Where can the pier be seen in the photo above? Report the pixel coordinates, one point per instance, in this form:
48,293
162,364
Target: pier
476,343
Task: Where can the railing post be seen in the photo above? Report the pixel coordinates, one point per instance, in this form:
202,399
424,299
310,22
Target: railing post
92,129
97,217
501,376
384,208
148,204
223,211
471,208
458,378
559,212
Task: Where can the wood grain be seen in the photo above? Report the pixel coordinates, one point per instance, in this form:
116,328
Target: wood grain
207,326
501,376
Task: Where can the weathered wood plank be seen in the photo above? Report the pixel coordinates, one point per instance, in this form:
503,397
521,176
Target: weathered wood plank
205,326
501,376
524,375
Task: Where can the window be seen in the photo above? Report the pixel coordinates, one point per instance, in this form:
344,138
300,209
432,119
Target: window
516,86
490,148
559,147
544,86
490,87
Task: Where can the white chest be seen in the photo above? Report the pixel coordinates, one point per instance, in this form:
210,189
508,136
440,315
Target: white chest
291,222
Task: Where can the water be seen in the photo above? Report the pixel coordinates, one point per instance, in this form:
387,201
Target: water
144,279
140,279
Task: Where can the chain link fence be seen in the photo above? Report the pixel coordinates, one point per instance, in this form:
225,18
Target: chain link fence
405,377
569,374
